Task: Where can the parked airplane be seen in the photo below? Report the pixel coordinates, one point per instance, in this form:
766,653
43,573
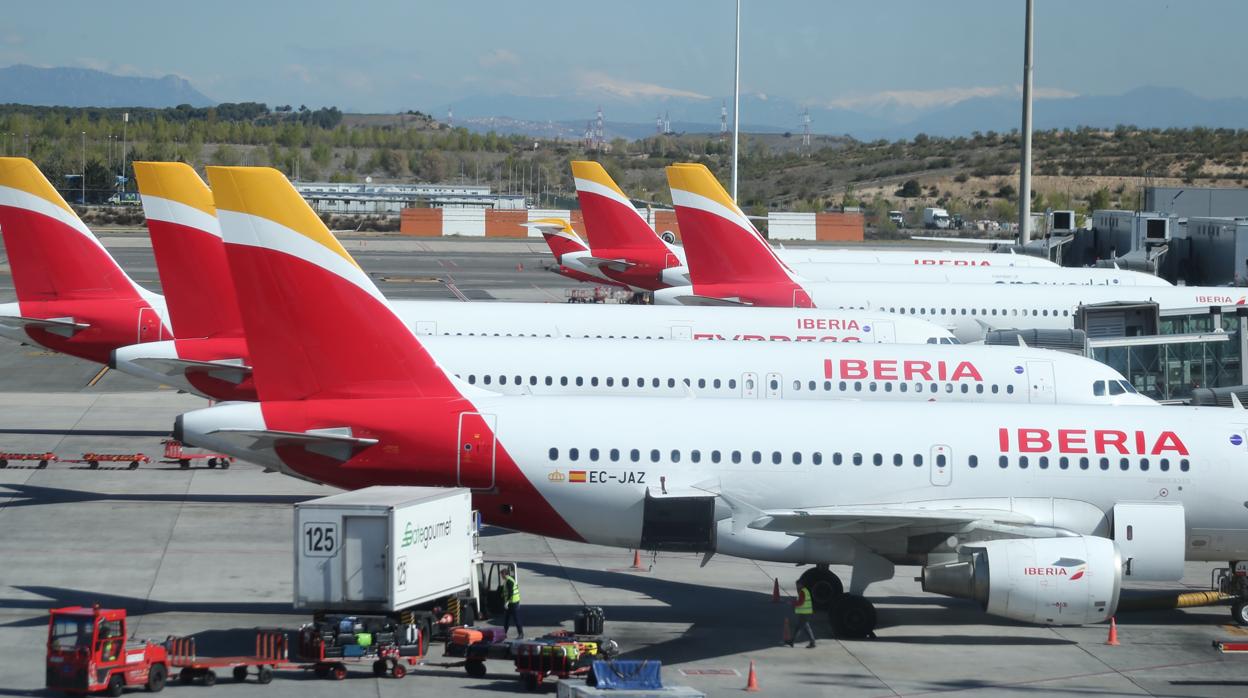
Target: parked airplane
731,264
71,295
570,251
624,246
625,249
1038,512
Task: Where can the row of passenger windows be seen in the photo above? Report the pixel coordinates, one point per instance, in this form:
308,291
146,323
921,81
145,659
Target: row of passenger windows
654,455
1008,312
887,386
548,335
609,381
731,383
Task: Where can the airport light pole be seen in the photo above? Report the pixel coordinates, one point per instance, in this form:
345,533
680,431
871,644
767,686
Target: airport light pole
736,103
125,121
83,200
1024,174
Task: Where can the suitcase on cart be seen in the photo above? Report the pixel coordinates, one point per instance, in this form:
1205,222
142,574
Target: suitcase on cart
589,621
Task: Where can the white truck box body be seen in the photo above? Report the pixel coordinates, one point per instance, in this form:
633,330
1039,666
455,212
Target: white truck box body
384,549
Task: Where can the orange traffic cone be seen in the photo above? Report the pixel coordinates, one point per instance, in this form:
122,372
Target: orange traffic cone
637,559
1113,632
788,633
751,682
775,592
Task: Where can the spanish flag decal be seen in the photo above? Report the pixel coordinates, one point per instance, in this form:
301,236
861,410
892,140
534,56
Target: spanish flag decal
576,476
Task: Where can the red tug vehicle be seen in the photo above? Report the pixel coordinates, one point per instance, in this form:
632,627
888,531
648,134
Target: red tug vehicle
88,652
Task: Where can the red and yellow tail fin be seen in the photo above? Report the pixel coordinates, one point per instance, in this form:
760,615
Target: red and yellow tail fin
316,325
559,236
611,222
52,254
186,241
721,245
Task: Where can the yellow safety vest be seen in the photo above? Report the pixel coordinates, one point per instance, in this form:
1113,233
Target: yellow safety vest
515,591
807,606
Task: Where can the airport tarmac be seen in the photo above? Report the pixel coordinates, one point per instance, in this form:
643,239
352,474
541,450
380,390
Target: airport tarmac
208,552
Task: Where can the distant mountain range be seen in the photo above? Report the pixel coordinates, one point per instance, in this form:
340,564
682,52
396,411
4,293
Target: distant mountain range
568,116
83,87
1146,107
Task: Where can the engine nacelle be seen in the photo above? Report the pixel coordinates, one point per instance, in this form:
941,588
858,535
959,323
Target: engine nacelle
1050,581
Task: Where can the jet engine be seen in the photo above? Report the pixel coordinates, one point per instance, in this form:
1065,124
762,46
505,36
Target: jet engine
1050,581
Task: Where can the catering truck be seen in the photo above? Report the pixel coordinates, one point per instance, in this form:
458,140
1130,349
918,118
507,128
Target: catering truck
406,553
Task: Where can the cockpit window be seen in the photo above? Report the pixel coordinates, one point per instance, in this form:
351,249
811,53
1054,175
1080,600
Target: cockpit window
1098,388
1115,388
1126,385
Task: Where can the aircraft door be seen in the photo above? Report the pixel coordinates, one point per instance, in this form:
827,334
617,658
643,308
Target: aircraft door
749,385
801,299
941,466
426,328
774,387
884,332
1040,388
682,332
476,450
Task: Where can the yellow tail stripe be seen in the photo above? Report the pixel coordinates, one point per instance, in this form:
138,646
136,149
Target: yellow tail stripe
21,174
696,179
175,181
266,193
587,169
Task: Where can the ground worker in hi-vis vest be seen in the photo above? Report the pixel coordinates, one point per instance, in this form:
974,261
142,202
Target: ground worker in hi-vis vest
511,596
803,608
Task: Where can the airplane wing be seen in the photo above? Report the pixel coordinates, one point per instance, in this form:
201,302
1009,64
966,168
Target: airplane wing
337,443
841,520
62,326
612,264
231,370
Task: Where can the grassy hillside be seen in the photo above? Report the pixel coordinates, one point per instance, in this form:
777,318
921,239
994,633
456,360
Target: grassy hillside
974,176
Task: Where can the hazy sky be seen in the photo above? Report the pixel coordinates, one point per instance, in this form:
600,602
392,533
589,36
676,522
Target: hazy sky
420,54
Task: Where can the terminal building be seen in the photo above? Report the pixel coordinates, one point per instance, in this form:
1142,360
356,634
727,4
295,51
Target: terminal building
370,198
1189,236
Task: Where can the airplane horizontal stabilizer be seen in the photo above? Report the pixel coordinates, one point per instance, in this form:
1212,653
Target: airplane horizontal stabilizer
231,370
63,326
336,443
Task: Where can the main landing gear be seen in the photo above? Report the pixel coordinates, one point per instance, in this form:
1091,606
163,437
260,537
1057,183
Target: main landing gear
851,615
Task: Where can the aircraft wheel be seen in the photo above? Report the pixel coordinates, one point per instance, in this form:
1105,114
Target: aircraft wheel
852,617
824,586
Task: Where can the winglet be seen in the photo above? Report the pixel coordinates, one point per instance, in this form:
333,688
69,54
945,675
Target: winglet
316,324
190,257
